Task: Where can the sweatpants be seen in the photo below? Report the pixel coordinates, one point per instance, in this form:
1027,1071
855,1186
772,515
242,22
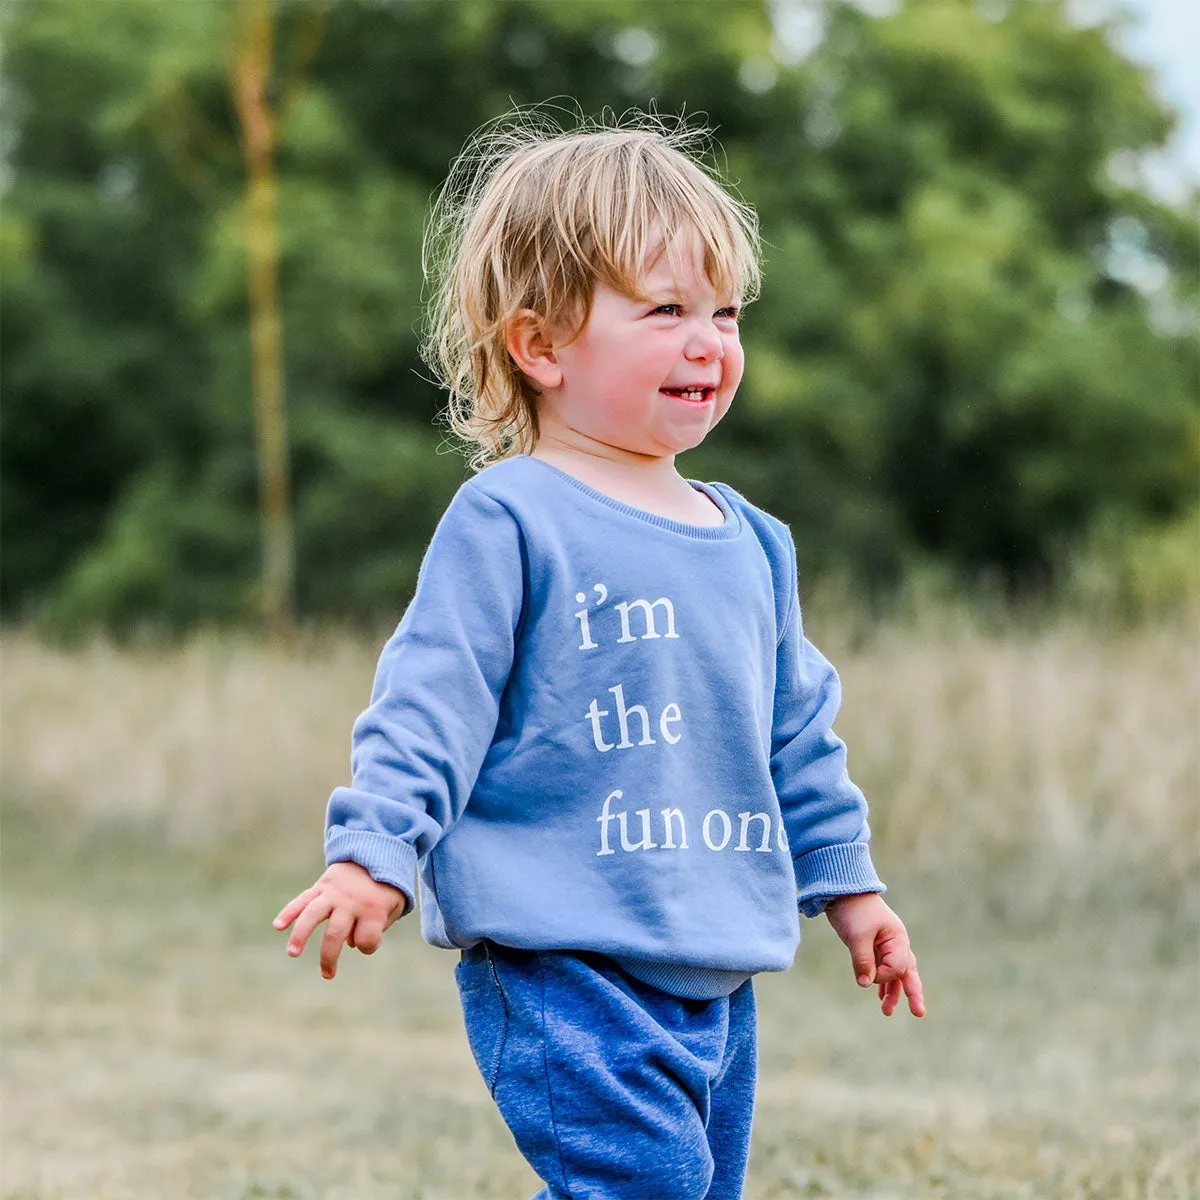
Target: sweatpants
612,1088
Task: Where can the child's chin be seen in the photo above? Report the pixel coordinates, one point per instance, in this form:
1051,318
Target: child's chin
682,440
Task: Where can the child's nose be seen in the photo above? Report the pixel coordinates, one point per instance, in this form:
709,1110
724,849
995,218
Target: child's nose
705,346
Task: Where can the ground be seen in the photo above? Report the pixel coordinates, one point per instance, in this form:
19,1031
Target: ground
159,1043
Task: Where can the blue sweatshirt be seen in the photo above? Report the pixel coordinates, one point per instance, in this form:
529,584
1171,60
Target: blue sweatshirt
601,729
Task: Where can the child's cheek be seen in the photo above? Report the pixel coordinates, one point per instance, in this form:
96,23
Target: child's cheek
735,356
624,407
626,389
732,367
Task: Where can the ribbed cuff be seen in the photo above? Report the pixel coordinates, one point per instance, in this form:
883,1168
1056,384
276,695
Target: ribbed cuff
385,858
842,870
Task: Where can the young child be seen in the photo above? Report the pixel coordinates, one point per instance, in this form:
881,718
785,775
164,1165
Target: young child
599,735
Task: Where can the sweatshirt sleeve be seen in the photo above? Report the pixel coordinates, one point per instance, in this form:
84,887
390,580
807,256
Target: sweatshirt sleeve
824,813
418,747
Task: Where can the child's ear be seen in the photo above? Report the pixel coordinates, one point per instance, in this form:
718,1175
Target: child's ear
531,349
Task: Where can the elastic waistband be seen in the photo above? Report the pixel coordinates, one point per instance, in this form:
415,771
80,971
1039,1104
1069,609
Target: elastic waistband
677,979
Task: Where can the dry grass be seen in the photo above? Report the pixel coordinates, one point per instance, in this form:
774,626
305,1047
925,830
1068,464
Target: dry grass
1035,801
1055,759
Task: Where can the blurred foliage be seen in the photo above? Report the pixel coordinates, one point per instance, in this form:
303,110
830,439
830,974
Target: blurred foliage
975,345
1125,571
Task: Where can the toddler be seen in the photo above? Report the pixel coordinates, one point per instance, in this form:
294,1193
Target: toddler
599,737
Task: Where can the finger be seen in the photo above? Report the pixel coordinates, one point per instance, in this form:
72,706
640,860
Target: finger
336,932
293,908
366,935
862,955
316,911
891,997
400,909
892,954
914,992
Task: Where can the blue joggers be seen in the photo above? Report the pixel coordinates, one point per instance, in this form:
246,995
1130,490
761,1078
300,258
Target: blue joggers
612,1089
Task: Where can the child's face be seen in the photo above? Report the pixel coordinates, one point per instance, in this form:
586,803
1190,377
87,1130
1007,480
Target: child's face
620,378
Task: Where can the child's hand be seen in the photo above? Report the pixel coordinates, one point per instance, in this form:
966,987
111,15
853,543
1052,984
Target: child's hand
357,908
879,949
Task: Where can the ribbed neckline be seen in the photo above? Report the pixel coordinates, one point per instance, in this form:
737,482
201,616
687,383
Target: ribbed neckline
730,529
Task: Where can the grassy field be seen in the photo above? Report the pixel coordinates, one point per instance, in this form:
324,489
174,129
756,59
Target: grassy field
1035,809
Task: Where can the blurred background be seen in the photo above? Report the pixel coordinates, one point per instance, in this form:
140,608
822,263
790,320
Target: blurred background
975,351
972,390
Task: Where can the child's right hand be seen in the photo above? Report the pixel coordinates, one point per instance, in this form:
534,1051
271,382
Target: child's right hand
357,908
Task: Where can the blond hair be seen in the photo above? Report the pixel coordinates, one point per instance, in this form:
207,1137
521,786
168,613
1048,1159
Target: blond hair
533,216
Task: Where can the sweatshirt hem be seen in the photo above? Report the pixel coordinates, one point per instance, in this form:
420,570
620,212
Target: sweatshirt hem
679,979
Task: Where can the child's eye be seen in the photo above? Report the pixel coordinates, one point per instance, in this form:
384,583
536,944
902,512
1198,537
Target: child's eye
731,313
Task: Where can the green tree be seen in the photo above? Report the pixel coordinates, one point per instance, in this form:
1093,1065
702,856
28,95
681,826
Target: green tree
975,340
977,377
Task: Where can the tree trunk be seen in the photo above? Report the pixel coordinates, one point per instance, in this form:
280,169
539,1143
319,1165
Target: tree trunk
251,69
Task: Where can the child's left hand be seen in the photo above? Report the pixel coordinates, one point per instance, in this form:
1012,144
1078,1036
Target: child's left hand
879,949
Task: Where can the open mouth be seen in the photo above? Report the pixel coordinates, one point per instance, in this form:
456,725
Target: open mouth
691,395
